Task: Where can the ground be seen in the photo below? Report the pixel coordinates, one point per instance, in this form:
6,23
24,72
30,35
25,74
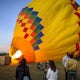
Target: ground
7,72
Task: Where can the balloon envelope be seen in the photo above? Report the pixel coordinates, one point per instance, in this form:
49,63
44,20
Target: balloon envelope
46,30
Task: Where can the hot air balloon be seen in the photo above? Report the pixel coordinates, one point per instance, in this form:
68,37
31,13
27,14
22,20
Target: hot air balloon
46,30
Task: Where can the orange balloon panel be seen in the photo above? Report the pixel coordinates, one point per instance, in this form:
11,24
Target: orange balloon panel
25,47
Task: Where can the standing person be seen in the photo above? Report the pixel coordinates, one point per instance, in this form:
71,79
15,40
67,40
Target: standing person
22,70
45,71
71,68
64,61
52,72
39,66
47,64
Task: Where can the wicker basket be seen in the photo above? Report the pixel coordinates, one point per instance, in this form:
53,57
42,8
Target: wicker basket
5,60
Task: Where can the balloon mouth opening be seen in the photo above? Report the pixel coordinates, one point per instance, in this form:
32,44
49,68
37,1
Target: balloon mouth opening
17,54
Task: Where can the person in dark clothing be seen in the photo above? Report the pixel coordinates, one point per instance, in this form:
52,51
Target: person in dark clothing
22,70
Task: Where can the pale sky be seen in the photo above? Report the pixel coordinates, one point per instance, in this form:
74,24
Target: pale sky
9,10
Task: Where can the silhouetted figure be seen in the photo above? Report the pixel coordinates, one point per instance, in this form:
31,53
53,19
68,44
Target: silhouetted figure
22,70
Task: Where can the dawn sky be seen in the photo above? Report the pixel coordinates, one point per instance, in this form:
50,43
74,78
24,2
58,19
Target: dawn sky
9,10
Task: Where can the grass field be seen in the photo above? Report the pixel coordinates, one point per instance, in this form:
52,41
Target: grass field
7,72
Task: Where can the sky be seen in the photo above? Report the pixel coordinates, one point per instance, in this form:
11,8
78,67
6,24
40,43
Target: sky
9,10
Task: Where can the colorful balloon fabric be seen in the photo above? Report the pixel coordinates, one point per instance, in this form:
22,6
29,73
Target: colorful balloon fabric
46,30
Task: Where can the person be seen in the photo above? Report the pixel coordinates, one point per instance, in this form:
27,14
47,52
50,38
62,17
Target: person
47,64
64,61
39,66
52,72
45,70
22,70
71,68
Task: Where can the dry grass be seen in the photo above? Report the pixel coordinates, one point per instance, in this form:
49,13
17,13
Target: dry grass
7,72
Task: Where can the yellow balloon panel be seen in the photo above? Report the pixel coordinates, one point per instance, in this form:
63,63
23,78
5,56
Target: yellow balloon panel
46,30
